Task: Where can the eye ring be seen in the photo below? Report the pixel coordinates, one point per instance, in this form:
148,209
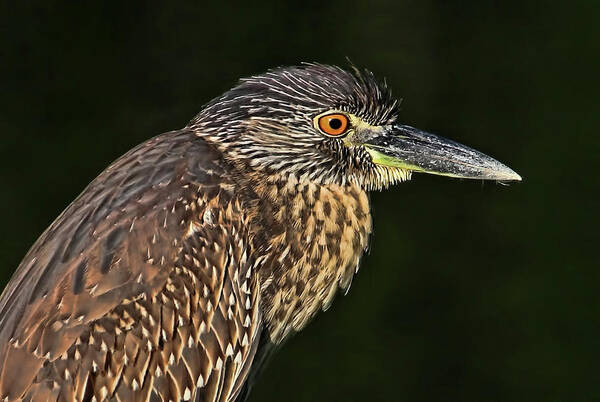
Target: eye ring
333,124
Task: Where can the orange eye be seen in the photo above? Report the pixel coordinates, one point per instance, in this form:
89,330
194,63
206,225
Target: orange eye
334,124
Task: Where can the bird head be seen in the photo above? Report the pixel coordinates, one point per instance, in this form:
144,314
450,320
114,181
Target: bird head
329,125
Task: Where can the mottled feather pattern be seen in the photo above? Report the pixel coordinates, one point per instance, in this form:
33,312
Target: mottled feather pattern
155,282
315,235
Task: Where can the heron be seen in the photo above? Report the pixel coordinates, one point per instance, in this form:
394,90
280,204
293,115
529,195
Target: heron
178,271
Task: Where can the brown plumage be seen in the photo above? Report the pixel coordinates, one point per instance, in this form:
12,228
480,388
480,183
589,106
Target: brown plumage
176,271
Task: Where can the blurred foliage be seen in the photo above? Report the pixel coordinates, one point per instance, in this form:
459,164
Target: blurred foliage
471,291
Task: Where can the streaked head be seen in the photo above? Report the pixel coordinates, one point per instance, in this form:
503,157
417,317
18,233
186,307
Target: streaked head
329,125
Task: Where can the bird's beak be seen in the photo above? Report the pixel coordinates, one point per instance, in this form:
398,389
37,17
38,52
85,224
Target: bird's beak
415,150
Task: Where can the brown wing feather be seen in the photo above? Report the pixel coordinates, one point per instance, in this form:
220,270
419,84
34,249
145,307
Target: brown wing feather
138,289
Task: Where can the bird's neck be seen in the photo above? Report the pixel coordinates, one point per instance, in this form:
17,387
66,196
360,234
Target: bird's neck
310,237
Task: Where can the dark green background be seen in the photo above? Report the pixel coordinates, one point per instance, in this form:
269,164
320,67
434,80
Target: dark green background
472,291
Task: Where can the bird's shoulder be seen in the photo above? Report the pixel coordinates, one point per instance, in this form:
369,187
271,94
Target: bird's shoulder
131,232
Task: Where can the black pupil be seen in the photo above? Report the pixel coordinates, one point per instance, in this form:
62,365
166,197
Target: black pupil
335,123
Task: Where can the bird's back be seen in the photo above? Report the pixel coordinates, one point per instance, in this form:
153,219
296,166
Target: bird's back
140,288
